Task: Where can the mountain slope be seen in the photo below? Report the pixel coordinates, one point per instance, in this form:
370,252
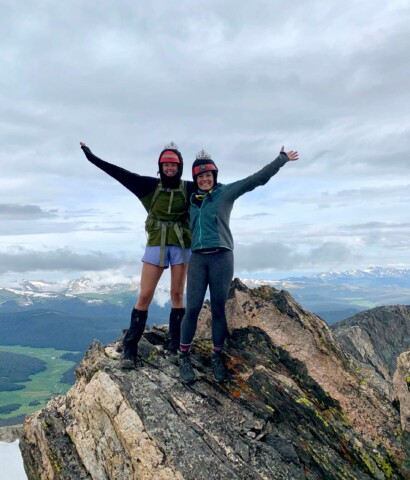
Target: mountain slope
376,338
293,408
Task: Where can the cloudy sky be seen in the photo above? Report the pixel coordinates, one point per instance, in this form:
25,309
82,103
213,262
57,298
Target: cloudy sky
238,79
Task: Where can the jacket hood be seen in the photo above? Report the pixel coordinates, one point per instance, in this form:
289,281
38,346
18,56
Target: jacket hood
171,182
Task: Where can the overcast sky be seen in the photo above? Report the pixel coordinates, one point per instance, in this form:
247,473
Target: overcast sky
239,79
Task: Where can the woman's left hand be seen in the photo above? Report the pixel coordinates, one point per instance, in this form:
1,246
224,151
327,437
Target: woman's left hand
292,154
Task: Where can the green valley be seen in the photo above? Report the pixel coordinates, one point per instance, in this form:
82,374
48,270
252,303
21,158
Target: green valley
40,387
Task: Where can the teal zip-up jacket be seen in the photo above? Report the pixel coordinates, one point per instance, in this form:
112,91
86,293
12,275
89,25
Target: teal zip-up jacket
209,222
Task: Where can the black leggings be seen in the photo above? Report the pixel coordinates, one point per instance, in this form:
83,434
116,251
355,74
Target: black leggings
215,270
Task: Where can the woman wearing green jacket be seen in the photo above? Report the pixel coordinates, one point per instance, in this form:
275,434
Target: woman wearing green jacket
211,261
168,242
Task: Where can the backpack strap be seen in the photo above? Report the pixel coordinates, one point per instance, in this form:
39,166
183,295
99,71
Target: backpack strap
158,190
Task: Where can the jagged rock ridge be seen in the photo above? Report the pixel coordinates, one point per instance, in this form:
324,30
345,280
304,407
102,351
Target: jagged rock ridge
293,408
10,434
376,338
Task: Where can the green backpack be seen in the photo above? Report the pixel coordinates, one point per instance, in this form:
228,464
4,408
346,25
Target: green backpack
153,223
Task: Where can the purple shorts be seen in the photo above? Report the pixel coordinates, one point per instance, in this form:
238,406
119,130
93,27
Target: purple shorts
173,255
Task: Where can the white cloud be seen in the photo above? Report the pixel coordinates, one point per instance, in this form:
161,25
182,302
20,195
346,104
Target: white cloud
23,212
329,80
272,256
22,260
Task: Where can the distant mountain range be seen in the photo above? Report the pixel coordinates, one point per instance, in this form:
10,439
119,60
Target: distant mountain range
337,295
69,316
332,295
29,292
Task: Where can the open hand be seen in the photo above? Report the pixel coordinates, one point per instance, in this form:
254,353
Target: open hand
292,154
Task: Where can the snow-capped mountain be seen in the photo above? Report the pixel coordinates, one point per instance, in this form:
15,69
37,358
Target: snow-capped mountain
88,285
373,273
31,292
39,286
323,293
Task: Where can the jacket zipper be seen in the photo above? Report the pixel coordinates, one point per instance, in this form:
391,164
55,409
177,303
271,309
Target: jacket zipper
200,220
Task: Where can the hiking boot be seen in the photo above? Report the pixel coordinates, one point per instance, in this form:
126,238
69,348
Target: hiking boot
132,337
129,357
128,363
186,372
218,367
175,319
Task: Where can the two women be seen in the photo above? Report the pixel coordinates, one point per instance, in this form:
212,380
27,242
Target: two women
211,261
168,243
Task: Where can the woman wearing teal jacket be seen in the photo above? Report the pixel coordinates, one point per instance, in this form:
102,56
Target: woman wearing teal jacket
211,261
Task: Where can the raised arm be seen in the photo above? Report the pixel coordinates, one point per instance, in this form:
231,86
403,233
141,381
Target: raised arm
137,184
236,189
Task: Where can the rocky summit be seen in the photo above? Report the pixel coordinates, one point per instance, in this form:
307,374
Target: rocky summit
296,406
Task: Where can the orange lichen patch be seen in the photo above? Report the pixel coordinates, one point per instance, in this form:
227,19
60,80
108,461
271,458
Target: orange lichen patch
345,450
232,362
233,367
235,393
241,384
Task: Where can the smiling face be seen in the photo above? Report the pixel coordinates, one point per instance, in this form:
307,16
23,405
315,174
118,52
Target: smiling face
205,181
169,169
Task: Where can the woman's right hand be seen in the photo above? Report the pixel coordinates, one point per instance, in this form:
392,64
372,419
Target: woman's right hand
82,144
